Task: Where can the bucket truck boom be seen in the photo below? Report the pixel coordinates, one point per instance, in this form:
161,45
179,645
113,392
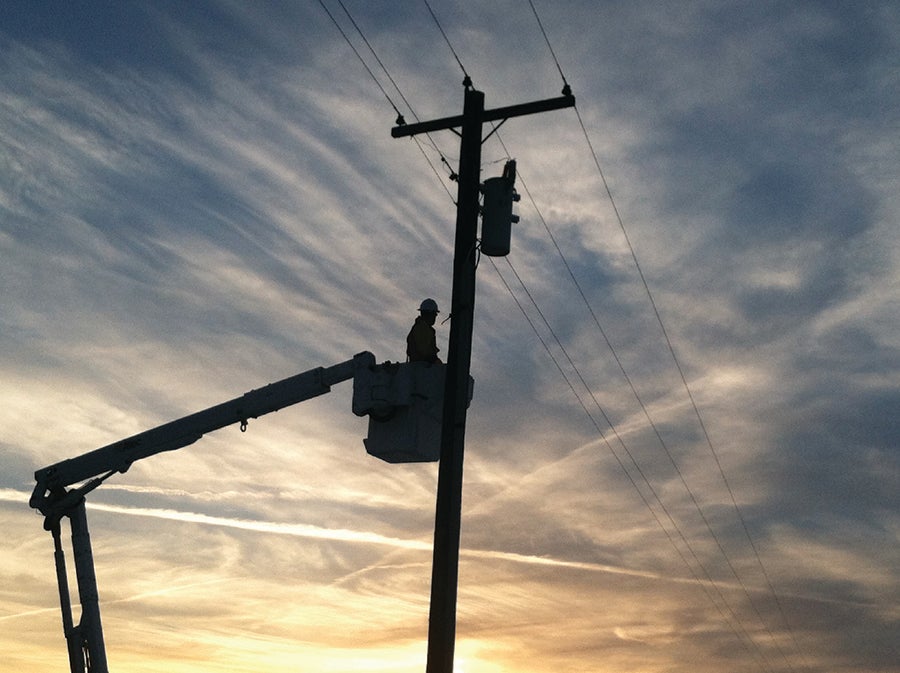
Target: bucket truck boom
402,400
118,456
54,498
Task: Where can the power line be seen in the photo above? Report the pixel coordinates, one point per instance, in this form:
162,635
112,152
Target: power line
690,394
628,452
699,418
361,59
697,414
391,80
681,374
378,60
365,65
651,422
547,40
467,81
637,467
645,412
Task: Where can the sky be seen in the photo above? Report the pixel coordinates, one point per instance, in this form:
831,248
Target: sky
682,450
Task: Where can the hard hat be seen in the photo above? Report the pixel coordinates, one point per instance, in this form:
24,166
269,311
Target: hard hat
429,306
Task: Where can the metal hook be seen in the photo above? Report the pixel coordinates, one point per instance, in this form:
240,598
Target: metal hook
244,425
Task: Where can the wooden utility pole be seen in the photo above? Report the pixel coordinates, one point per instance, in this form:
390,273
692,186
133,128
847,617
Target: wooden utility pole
445,563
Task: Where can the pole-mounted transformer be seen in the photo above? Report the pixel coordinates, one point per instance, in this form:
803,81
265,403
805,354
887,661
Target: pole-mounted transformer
496,212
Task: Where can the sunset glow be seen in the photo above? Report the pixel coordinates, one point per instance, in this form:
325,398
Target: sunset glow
681,452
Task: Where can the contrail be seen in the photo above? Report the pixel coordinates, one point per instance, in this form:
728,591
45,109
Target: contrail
337,534
293,529
344,535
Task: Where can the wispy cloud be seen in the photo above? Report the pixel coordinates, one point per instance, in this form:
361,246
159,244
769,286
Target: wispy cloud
196,200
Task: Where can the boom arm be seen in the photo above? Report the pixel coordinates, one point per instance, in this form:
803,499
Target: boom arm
118,456
87,652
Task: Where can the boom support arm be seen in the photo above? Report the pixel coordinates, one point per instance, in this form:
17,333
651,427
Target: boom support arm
87,652
49,492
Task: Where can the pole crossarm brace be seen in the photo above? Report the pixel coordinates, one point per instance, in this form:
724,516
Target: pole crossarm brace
503,113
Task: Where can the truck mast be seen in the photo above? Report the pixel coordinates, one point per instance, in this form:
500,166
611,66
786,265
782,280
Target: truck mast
402,400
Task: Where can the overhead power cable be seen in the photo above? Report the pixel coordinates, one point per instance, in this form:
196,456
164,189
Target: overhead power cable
467,81
707,579
729,621
361,59
693,402
679,368
443,159
696,410
622,443
400,119
453,51
549,46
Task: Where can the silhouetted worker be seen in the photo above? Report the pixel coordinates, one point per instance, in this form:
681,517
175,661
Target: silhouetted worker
421,344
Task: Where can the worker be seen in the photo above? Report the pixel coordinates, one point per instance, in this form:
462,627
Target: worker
421,344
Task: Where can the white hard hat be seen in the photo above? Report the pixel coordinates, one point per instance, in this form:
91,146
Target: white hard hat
429,306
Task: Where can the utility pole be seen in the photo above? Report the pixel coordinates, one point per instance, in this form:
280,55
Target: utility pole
445,563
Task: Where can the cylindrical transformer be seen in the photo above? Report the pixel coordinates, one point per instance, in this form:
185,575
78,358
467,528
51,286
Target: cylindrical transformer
497,217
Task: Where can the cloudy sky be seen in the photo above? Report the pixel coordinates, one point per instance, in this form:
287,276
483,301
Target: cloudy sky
200,198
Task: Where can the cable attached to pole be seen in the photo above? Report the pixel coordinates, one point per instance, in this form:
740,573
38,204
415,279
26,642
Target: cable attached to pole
567,90
467,81
677,364
401,121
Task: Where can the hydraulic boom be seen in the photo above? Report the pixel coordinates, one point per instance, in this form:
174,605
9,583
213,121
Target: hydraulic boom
55,500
